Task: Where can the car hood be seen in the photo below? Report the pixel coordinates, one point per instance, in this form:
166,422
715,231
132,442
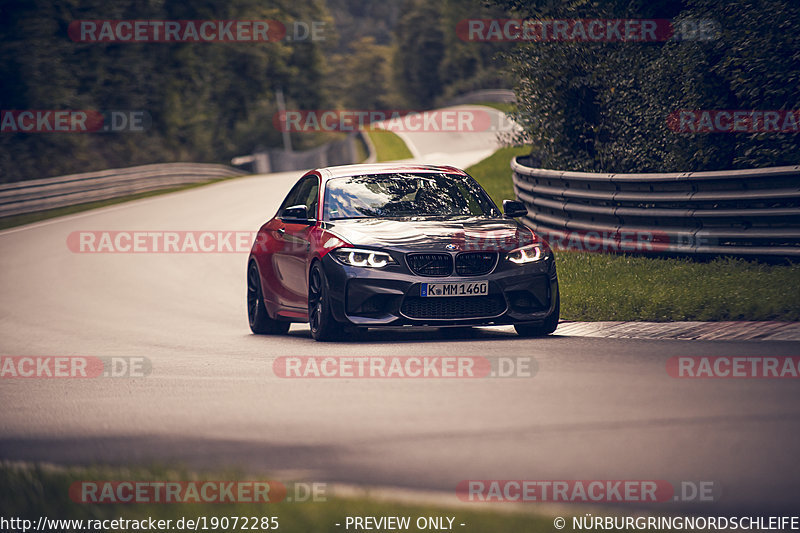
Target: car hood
434,234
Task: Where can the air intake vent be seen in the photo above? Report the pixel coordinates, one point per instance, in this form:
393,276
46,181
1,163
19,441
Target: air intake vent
454,307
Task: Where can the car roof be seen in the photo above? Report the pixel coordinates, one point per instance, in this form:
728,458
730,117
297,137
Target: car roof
383,168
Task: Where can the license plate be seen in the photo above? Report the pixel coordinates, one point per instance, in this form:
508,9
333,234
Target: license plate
472,288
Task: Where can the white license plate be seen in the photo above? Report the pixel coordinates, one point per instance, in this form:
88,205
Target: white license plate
472,288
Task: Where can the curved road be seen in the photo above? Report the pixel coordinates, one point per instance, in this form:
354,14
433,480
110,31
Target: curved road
596,409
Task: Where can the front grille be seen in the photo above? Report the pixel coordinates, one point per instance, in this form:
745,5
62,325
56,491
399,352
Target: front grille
430,264
475,263
454,307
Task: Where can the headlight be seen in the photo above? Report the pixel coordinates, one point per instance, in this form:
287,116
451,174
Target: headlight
527,254
363,258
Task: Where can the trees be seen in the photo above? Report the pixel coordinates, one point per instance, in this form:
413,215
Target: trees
208,101
420,45
599,106
361,77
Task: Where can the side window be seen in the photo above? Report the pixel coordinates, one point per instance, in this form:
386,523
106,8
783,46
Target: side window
293,196
304,193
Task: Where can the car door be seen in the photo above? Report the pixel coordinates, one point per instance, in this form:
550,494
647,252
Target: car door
293,250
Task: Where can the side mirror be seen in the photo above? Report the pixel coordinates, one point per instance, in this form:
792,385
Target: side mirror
514,208
296,214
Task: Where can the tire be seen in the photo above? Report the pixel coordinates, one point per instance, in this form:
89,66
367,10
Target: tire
257,316
545,328
320,319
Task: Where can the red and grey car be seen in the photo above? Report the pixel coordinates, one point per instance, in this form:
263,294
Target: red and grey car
369,246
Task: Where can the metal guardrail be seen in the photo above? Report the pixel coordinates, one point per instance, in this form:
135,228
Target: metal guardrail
62,191
737,212
339,152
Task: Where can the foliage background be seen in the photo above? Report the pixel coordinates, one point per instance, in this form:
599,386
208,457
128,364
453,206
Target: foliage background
583,106
603,106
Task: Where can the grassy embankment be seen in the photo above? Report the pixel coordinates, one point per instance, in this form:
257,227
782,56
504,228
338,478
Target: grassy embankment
388,146
33,491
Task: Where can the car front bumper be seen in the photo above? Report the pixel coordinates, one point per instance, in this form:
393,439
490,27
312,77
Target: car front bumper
390,297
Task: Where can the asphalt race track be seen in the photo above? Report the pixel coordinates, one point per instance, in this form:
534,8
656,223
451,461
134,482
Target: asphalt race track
596,408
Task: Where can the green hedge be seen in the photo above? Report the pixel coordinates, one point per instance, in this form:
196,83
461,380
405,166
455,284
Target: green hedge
604,106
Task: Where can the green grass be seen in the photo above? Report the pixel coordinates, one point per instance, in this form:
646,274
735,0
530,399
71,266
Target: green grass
622,287
389,146
28,218
494,173
361,150
33,491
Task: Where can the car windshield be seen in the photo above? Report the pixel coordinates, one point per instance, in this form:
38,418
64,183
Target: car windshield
406,195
